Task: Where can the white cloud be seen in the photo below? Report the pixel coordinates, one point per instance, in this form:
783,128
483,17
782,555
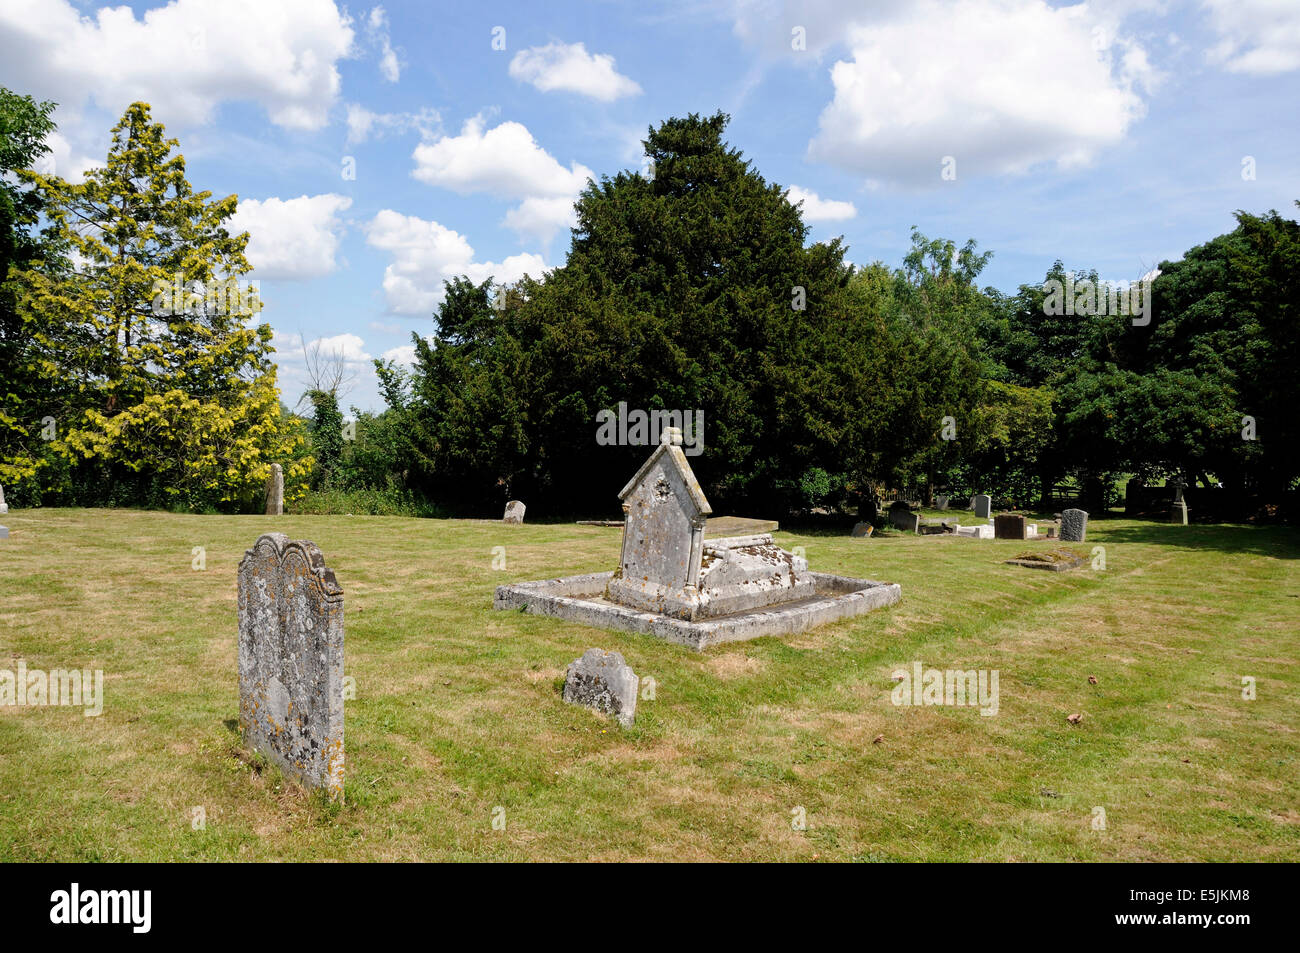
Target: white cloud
818,209
425,254
184,58
1255,36
65,162
377,30
507,162
403,354
570,68
364,124
291,238
999,85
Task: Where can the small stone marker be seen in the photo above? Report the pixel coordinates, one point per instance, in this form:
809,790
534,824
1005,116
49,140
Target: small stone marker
603,681
4,507
291,660
862,530
275,491
982,504
1178,512
1010,526
514,513
1074,526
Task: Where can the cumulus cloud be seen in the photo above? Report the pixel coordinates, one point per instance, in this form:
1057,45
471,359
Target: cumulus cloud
390,67
1255,36
184,58
425,254
64,161
568,67
507,162
292,238
818,209
997,85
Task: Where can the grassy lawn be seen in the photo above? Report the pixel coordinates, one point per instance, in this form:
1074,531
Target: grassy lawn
458,709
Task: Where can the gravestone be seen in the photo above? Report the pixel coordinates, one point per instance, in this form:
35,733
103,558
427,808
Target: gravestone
514,513
941,502
901,516
1010,526
275,491
291,660
979,531
603,681
1178,512
982,504
1074,526
4,507
862,530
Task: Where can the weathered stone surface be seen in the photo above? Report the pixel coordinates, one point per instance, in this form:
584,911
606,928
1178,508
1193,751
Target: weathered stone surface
579,599
1178,512
663,534
1058,560
978,531
941,502
982,504
4,507
862,530
902,517
603,681
514,513
1074,526
291,660
275,491
748,572
1010,526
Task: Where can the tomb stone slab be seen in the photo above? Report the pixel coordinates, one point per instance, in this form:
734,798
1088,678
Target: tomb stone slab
291,660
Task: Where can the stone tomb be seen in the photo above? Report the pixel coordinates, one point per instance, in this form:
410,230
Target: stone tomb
1074,526
291,660
673,583
1010,526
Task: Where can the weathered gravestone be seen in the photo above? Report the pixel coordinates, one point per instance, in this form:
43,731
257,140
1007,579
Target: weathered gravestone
1074,526
1010,526
941,502
603,681
861,530
291,660
514,512
1178,512
982,504
902,517
275,491
4,507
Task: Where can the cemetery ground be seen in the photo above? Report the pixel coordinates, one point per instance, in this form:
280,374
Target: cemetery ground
458,711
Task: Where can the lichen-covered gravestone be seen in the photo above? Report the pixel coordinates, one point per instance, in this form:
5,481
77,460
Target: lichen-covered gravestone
603,681
275,491
291,660
982,504
1074,526
514,512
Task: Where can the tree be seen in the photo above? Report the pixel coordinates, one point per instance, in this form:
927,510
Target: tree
174,399
24,126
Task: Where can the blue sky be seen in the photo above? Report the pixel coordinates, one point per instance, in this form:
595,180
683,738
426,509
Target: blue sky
1109,135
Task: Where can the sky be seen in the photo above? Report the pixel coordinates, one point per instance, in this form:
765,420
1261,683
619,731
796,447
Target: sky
378,150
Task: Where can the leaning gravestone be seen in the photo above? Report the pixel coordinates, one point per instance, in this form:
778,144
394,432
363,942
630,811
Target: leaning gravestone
1074,526
291,660
514,512
861,530
275,491
1010,526
603,681
982,504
